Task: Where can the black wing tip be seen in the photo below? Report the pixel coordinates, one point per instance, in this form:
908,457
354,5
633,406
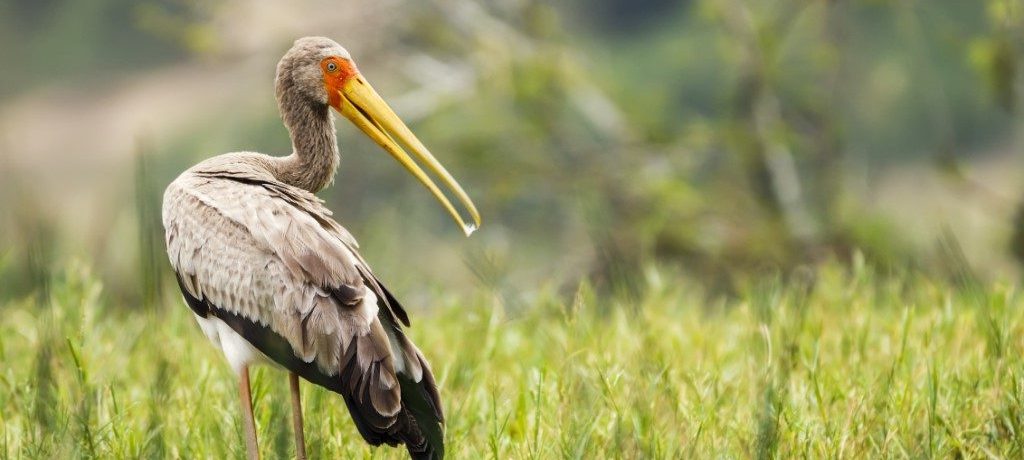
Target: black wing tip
423,444
429,454
424,430
417,424
396,307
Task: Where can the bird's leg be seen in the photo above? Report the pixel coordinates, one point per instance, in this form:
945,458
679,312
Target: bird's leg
300,437
249,422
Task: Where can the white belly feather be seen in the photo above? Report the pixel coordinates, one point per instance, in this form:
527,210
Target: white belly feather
238,351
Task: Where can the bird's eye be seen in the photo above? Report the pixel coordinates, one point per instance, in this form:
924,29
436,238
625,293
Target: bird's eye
331,67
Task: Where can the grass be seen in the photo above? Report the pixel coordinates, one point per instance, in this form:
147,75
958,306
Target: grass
852,364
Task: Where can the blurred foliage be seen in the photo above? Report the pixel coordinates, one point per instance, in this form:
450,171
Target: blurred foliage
714,135
54,40
737,120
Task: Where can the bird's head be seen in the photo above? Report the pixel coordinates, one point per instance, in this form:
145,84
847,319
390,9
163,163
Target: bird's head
323,72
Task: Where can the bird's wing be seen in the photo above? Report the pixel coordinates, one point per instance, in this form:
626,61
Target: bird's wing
267,259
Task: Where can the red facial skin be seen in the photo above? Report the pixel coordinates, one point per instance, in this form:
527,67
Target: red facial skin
334,80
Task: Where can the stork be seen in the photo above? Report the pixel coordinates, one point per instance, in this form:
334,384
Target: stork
272,278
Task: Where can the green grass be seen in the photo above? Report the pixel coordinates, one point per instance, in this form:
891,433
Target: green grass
853,365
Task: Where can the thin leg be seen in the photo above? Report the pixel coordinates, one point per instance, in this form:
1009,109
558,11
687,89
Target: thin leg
248,420
300,436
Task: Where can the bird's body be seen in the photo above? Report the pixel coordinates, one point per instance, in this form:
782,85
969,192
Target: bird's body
271,277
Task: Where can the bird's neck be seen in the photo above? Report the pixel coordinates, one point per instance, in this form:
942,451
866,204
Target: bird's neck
314,158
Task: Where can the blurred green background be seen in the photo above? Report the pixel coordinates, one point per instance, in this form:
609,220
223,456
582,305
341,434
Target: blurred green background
725,138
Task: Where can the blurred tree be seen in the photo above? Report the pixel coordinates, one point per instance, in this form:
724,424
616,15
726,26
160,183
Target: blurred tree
56,40
726,171
1017,235
716,135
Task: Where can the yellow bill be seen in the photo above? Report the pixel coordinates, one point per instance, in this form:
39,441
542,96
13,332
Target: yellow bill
365,108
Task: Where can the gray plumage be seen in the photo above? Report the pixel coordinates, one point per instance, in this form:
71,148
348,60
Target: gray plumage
253,247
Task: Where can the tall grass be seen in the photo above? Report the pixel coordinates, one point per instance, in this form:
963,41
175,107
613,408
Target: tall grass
841,363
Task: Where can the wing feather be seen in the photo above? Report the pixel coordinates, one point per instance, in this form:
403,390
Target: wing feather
269,260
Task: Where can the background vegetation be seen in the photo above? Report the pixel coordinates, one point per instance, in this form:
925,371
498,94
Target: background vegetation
759,228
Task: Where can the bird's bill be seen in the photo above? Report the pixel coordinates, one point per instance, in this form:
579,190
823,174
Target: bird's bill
364,107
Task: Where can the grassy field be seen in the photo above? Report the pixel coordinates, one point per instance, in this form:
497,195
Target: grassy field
854,364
